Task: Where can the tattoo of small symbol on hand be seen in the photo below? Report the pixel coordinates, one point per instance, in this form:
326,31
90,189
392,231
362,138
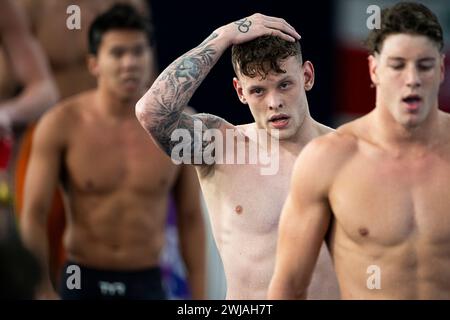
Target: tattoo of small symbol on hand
243,25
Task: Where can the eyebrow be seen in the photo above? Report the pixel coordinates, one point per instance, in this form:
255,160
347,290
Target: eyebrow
426,59
285,78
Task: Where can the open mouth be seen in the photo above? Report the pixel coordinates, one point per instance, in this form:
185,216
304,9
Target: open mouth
413,101
130,82
279,120
413,98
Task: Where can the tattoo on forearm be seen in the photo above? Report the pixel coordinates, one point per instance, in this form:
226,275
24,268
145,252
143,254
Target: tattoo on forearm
243,25
210,37
172,91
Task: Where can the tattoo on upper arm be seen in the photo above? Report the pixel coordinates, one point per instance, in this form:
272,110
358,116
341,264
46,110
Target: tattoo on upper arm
191,138
172,91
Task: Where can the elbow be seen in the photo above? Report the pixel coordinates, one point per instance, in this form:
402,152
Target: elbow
144,117
33,217
139,111
49,94
48,97
53,94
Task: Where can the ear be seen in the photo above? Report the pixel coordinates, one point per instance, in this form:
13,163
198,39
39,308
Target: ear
92,63
239,90
442,68
308,74
373,64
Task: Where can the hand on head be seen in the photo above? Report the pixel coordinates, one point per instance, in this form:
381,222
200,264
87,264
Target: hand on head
258,25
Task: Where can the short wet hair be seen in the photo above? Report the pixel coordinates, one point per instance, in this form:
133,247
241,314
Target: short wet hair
262,55
406,17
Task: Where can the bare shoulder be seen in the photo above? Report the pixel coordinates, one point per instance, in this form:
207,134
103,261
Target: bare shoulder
322,129
61,119
329,151
445,120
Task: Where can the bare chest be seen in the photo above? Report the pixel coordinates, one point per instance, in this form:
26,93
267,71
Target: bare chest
391,201
241,199
103,159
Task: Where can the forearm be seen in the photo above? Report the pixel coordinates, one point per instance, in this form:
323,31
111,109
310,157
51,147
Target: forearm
193,248
160,109
34,236
283,290
30,104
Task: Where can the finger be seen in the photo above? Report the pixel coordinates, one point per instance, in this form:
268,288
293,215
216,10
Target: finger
282,35
279,22
284,27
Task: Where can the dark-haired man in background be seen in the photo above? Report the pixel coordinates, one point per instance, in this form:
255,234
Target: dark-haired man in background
377,188
117,182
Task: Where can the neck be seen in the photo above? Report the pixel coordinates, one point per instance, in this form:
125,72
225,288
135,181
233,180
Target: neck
393,133
306,132
115,106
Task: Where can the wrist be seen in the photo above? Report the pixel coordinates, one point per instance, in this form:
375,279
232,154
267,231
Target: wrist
223,39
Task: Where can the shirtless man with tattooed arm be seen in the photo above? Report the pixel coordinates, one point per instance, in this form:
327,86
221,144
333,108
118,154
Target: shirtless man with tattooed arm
244,204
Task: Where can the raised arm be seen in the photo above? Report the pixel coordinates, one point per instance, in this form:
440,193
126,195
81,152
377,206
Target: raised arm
303,225
30,66
40,183
160,110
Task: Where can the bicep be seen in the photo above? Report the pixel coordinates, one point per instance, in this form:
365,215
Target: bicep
190,139
303,225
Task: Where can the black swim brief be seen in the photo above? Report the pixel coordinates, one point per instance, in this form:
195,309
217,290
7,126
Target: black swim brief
81,282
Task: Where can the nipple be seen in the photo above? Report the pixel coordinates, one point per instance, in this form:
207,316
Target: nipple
363,232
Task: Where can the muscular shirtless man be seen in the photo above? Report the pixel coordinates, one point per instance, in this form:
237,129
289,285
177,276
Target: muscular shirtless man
47,19
243,203
377,189
117,182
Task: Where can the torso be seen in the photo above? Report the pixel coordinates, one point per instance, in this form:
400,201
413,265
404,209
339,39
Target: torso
118,183
245,207
392,213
